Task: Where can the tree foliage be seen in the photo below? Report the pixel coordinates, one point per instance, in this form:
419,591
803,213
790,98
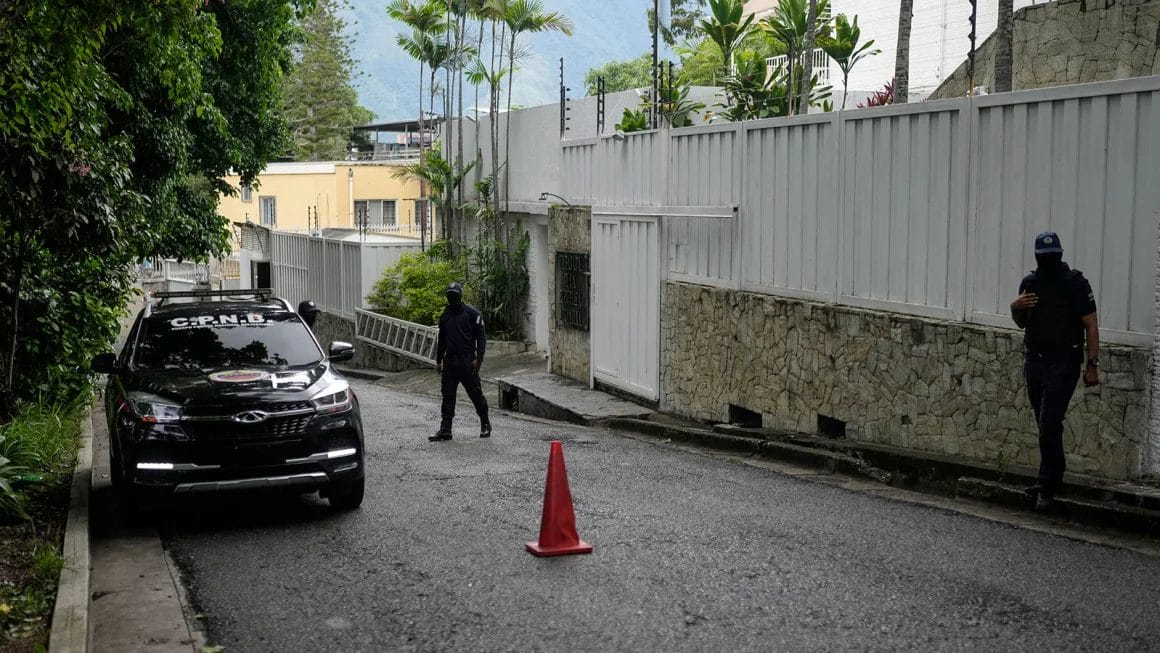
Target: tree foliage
321,103
621,75
117,124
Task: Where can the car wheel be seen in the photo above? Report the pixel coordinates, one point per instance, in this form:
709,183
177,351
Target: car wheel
347,496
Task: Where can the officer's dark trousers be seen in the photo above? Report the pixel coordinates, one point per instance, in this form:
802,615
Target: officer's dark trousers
456,373
1051,381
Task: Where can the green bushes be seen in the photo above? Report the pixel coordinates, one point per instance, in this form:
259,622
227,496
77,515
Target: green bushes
413,289
36,447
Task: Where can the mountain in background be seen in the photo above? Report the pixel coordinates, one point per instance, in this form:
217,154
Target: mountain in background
605,30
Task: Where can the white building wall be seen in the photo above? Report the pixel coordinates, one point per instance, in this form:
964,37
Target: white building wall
938,39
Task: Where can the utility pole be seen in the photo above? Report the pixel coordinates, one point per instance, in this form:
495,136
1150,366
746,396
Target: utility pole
656,26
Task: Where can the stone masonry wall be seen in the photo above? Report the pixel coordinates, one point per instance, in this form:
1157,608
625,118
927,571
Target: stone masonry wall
923,384
569,230
1071,42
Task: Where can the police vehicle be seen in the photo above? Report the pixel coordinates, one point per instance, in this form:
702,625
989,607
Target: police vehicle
230,390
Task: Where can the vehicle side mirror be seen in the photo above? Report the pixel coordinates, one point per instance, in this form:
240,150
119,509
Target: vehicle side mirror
104,363
341,351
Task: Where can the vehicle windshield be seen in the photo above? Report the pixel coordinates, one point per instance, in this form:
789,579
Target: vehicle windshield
216,340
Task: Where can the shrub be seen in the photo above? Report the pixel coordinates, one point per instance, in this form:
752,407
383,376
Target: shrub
413,289
41,441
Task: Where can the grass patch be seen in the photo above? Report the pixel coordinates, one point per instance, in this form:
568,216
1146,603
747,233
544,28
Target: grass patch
38,451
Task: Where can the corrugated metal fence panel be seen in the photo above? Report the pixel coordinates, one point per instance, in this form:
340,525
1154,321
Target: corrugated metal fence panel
577,171
631,172
905,204
704,167
789,217
290,266
1084,165
702,248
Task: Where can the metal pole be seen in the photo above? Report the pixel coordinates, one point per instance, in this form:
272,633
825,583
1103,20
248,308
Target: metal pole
655,62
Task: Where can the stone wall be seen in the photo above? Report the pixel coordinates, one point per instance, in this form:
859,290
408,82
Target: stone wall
923,384
569,230
1071,42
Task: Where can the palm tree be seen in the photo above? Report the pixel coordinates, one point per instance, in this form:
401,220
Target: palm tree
902,58
789,23
525,16
845,50
440,175
808,56
425,21
1003,47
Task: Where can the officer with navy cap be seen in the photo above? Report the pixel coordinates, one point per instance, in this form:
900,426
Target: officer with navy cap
458,355
308,311
1057,311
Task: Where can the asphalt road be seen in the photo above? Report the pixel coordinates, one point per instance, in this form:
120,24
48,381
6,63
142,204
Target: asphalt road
692,552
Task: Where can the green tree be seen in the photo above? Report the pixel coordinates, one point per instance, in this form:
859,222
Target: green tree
791,24
727,26
683,20
118,122
621,75
321,104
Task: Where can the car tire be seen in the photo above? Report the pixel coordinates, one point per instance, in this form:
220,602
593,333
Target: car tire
347,496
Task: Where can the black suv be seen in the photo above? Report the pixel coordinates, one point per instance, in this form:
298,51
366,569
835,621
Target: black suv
225,390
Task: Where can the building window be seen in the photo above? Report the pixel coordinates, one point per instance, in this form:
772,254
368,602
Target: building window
375,213
247,193
572,278
421,217
269,211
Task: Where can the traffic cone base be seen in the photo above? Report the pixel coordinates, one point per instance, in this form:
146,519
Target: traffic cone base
558,523
535,549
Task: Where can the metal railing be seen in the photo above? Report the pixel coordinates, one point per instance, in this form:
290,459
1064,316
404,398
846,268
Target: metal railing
821,64
407,339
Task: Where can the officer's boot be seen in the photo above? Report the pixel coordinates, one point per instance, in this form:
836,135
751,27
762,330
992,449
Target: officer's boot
444,433
485,428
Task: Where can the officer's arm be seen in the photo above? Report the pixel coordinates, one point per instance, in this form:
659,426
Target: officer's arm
440,343
1019,314
1091,327
480,336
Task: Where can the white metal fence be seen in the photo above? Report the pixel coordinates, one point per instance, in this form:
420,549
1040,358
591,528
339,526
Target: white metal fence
336,274
927,209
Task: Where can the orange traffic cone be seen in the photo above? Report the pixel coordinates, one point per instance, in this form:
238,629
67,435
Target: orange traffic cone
558,523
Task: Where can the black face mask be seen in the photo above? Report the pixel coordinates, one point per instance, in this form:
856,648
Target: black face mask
454,299
1050,265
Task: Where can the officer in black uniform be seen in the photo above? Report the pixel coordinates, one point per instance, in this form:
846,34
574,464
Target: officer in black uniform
1057,311
458,356
308,311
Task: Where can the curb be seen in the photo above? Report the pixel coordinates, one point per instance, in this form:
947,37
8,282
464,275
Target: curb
70,617
1086,500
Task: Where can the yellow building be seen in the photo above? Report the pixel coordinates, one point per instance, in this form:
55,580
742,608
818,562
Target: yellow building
317,195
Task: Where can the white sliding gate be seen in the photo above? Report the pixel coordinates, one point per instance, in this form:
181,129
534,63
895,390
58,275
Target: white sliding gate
626,281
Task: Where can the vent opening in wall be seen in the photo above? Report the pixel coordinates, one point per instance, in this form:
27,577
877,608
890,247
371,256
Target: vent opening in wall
831,427
743,417
509,398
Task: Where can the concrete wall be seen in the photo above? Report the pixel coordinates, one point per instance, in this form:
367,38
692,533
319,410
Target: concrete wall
330,327
922,384
1071,42
569,353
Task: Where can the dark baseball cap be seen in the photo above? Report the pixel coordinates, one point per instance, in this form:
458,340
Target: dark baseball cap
1048,243
454,287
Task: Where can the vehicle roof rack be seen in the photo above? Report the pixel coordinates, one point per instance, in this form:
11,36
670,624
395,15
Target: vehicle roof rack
157,298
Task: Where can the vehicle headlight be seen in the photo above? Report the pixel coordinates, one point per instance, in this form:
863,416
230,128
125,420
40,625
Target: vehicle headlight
151,409
332,401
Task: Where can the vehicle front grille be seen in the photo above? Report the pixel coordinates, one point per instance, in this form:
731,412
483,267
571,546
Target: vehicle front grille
274,428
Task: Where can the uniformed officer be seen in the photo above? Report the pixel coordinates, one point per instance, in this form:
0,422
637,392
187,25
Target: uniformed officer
308,311
458,356
1057,311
